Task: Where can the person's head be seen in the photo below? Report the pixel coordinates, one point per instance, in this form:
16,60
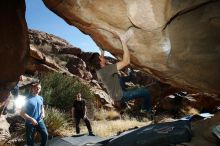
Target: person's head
35,88
78,97
102,61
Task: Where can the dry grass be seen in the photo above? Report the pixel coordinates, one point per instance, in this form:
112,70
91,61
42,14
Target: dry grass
104,114
112,115
110,128
108,123
106,128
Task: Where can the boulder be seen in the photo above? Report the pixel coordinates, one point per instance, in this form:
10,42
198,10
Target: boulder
14,45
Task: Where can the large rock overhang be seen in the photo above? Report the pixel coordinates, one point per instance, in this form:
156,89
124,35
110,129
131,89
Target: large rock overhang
176,41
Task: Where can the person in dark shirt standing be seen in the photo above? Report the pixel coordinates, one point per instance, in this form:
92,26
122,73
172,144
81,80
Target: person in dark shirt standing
79,112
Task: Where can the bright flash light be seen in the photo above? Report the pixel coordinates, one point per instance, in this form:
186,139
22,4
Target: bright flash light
20,101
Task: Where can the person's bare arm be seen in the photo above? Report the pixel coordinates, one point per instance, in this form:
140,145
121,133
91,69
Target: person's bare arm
42,112
102,52
126,55
27,117
85,112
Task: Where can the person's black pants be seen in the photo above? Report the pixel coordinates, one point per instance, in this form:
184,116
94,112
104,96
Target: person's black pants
86,120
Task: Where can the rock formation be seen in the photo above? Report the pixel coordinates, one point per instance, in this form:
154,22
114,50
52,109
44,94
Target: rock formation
14,45
4,130
177,42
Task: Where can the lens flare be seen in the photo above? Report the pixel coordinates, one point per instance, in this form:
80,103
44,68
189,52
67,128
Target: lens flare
20,101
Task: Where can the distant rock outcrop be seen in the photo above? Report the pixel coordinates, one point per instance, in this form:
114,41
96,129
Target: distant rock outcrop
51,53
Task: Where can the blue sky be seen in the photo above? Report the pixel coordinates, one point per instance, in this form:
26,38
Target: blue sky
39,17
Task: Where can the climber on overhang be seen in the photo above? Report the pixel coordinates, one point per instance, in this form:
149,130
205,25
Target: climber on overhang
108,75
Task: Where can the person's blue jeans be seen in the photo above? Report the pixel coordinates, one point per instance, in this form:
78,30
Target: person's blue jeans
31,130
142,93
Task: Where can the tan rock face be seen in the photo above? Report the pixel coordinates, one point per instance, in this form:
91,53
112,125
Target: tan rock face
178,42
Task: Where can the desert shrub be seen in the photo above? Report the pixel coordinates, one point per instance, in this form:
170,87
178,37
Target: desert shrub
56,121
59,90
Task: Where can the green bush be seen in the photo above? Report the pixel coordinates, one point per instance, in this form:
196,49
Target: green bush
56,121
60,90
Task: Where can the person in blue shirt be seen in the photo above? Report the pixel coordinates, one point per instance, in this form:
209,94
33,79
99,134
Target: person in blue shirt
33,112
